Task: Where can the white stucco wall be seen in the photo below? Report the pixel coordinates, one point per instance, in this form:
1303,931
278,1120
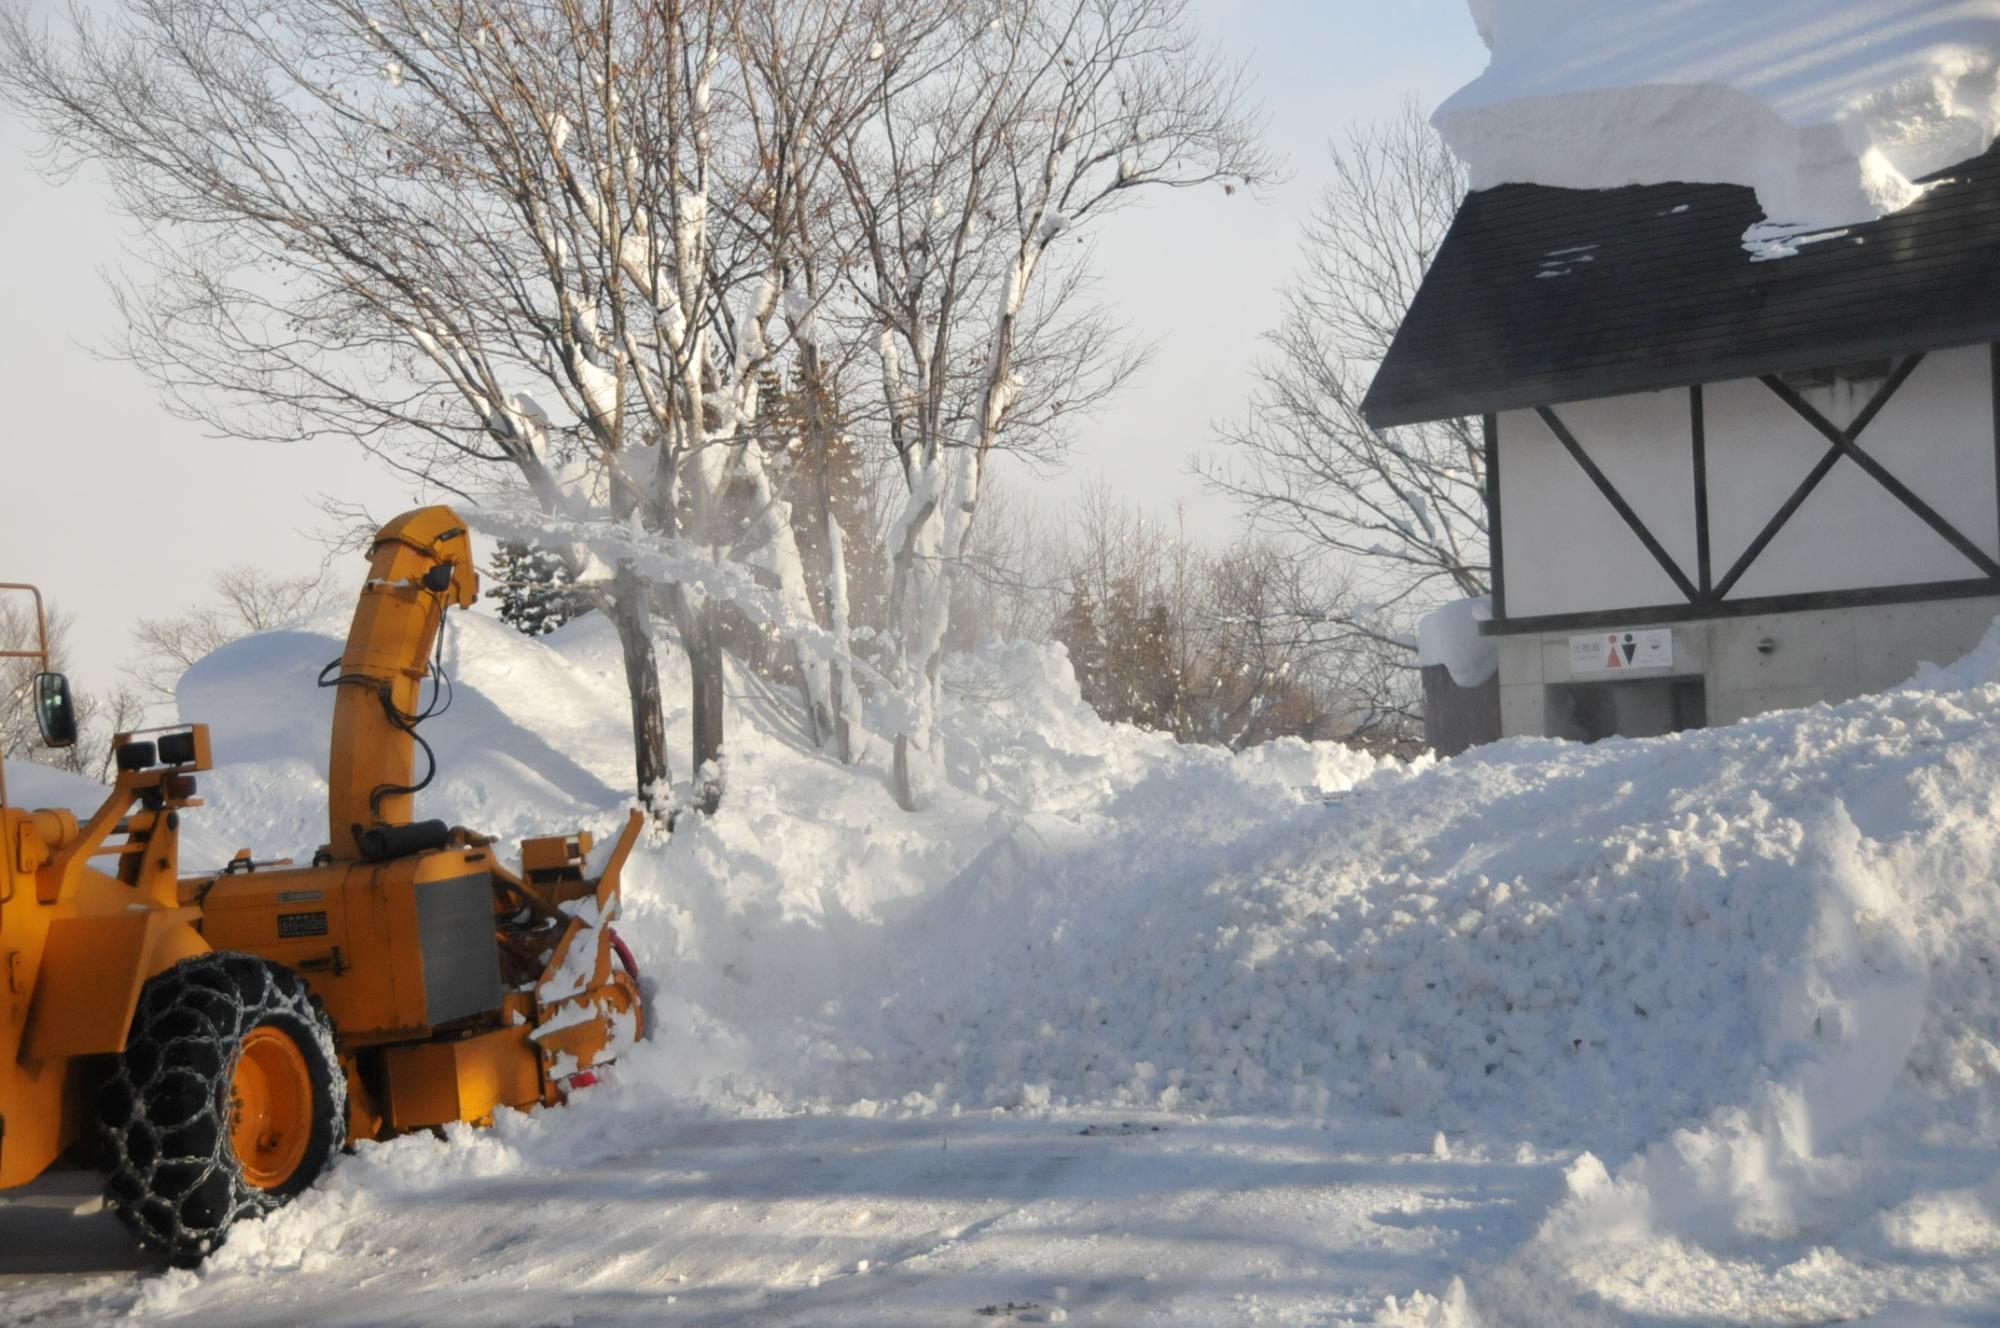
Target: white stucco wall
1566,550
1936,436
1758,451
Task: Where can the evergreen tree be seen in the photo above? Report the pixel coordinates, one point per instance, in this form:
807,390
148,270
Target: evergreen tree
1077,630
1126,683
1159,672
536,592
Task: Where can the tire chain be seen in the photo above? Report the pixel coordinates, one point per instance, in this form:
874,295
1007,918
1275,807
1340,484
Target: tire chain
162,1112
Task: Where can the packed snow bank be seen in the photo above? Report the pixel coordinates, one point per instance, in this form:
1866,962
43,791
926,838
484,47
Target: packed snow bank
31,784
795,927
1587,946
1829,109
1748,969
1564,945
518,750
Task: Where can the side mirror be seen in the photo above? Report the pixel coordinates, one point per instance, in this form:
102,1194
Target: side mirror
55,709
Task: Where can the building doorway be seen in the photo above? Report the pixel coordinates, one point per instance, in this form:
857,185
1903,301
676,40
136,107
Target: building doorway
1593,711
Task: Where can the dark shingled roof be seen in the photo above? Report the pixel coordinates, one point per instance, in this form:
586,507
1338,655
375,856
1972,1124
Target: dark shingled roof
1651,287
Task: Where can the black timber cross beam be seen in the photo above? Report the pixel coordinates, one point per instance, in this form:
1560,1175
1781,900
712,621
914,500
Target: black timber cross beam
1845,443
1698,422
1619,505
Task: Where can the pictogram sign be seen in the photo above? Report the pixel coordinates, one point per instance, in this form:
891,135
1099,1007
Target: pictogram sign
1618,651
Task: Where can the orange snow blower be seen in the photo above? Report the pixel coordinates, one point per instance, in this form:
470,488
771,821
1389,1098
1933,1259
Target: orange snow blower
213,1041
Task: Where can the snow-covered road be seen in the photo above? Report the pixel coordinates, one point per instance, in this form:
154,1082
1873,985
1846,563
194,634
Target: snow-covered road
824,1220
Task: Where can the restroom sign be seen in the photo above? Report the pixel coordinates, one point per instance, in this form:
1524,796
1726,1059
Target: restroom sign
1617,651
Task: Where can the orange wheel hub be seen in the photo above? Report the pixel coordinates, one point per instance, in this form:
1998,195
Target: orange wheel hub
270,1108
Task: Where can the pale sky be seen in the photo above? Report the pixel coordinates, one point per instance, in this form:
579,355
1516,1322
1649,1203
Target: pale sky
119,511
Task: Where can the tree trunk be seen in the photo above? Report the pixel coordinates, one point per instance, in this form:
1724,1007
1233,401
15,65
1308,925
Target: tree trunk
833,556
704,651
632,616
841,694
906,795
819,719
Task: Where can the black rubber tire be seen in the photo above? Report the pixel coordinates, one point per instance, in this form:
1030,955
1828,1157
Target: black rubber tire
163,1112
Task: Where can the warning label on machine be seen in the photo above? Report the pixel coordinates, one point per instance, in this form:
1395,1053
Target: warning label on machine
294,925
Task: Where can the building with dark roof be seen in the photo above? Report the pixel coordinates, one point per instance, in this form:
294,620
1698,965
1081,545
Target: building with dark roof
1728,470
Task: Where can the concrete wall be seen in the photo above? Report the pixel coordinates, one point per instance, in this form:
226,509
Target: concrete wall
1824,655
1456,718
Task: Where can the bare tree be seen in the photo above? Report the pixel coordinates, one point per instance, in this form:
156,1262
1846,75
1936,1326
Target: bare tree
98,716
543,240
1006,574
570,246
1266,667
971,189
1402,510
247,600
1212,645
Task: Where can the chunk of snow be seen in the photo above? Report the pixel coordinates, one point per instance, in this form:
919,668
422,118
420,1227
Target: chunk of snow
1766,241
1957,1224
1829,109
599,857
1450,636
1422,1310
567,1016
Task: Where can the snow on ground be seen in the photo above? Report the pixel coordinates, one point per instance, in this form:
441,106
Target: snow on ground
1689,1030
1830,109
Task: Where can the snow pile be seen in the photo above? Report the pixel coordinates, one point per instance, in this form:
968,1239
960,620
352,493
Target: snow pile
1830,111
509,759
1791,919
1572,946
796,926
32,785
1740,981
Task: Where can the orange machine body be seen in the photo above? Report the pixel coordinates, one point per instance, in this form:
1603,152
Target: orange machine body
372,761
456,983
88,913
450,977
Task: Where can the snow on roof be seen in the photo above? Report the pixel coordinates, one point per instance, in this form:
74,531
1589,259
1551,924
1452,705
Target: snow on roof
1509,316
1829,109
1449,635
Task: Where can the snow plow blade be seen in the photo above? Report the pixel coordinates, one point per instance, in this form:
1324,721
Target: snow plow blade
585,1001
